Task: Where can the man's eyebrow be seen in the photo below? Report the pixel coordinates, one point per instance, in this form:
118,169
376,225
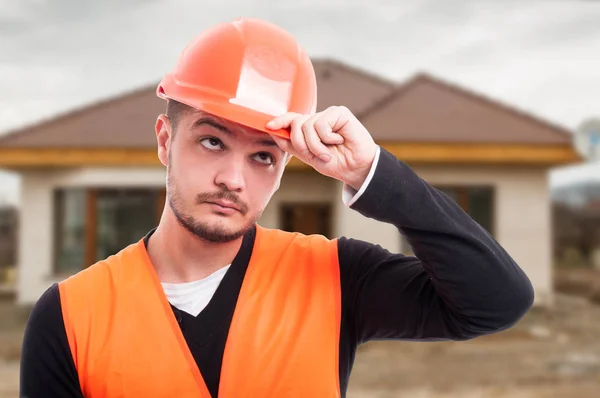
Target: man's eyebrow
213,123
265,142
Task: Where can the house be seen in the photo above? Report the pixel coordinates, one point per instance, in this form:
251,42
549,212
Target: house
92,183
8,247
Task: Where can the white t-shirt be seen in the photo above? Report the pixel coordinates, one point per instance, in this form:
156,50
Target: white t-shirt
192,297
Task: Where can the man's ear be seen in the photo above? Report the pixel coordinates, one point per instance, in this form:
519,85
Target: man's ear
164,133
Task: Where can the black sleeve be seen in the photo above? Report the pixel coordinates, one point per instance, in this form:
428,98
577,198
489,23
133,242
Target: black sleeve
47,367
459,284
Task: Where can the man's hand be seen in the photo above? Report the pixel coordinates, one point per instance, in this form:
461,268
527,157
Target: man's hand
333,142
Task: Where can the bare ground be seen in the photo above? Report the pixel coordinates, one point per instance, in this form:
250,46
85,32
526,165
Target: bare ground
550,353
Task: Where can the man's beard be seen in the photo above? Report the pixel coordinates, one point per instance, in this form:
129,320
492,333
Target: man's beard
216,233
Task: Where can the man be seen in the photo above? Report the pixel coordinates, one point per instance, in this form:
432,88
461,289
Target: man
211,304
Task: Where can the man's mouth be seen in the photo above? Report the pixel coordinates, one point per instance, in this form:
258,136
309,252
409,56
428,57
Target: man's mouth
225,204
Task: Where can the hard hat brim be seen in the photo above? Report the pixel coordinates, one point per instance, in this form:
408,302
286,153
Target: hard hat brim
221,107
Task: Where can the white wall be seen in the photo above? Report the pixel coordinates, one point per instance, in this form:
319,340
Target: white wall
9,188
36,237
522,219
36,228
523,214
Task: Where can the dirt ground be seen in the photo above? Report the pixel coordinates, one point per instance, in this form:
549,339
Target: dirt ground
551,353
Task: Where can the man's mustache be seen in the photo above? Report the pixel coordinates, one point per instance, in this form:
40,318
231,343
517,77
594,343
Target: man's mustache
223,195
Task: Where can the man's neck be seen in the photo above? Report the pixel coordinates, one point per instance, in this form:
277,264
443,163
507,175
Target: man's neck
178,256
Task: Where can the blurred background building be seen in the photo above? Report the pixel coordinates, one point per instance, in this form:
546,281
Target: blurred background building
9,230
481,98
92,183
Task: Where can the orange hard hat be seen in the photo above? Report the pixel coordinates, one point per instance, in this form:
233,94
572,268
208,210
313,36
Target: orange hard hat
247,71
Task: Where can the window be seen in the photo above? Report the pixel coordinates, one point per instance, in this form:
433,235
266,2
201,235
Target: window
69,213
92,224
480,206
8,241
122,217
477,201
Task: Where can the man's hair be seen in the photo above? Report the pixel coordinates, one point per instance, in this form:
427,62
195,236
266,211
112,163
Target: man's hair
175,110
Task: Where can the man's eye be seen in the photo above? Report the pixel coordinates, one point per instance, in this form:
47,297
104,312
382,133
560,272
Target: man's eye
212,143
264,158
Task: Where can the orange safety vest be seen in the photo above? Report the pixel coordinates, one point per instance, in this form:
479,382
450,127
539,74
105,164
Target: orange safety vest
283,340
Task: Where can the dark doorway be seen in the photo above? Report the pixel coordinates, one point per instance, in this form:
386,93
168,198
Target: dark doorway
306,218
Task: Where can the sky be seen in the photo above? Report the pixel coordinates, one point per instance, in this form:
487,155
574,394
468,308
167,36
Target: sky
539,56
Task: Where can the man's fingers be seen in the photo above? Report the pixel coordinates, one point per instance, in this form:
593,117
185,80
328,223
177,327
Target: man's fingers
284,144
313,140
309,134
282,122
323,128
297,138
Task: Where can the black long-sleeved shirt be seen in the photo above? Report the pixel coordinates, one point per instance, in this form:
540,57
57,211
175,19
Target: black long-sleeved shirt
460,284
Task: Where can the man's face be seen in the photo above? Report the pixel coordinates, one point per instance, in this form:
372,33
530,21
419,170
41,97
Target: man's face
220,175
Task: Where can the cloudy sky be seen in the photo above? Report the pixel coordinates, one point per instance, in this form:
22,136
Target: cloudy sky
540,56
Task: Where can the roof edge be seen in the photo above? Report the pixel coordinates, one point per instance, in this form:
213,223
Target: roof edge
127,94
75,111
410,152
495,103
355,70
425,77
401,90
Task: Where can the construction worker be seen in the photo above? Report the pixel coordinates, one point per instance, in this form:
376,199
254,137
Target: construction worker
210,303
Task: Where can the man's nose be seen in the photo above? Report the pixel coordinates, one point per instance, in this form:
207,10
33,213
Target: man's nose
230,175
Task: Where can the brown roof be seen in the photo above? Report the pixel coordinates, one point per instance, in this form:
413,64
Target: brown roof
424,109
128,121
340,84
123,122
